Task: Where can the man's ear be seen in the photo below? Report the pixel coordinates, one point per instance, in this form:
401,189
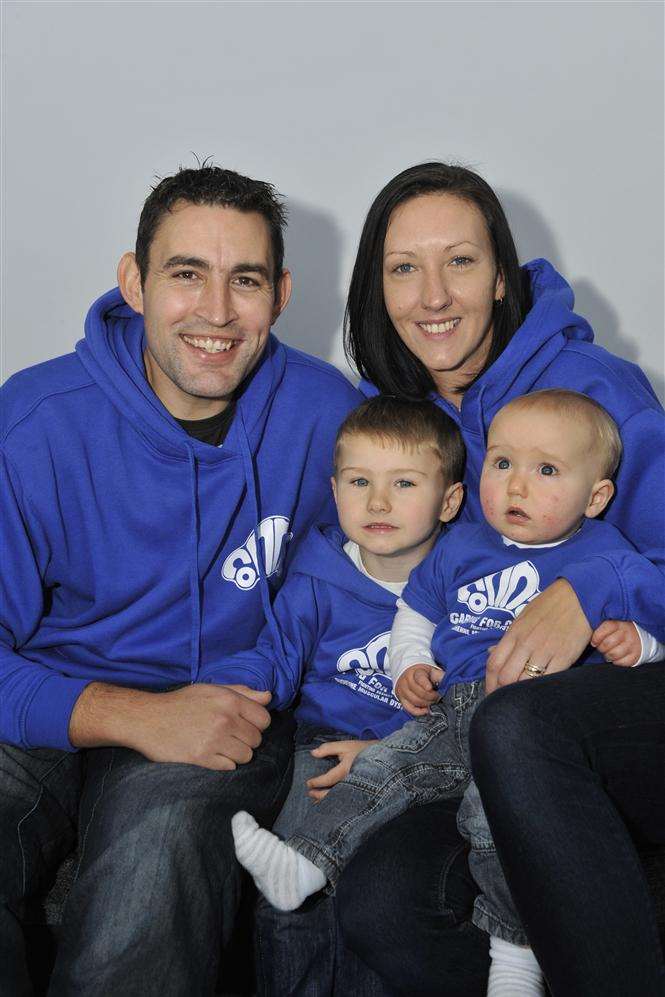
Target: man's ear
452,500
601,493
282,294
129,282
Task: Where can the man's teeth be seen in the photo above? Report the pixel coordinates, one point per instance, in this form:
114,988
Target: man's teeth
434,327
210,345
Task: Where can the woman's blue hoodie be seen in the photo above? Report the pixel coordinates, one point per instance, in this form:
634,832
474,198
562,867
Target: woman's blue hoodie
129,548
554,348
334,626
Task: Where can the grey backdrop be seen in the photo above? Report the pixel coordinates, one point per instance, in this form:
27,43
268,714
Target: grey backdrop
558,105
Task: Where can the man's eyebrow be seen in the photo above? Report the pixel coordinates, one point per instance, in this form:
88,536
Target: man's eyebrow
186,261
249,267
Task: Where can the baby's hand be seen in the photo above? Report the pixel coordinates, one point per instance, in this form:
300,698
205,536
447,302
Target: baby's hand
618,641
417,688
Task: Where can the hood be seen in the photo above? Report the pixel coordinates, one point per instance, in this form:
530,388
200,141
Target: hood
322,556
112,353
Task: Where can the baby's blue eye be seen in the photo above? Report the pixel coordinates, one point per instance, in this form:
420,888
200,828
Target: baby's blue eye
503,464
548,470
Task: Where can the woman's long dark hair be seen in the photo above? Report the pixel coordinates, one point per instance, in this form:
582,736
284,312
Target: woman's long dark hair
370,340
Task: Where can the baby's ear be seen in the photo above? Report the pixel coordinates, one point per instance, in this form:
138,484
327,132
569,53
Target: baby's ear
452,500
601,493
334,487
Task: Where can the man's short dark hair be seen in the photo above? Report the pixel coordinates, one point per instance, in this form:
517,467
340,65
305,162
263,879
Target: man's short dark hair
215,186
408,423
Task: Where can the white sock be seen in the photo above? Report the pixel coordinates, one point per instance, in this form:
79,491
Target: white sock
514,971
283,875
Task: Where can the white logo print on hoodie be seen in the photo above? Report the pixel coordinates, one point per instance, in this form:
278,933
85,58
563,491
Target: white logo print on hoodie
242,565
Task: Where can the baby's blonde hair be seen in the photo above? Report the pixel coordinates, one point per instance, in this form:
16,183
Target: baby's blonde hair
579,406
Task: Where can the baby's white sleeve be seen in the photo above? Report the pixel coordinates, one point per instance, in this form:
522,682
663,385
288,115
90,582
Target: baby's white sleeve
410,641
652,650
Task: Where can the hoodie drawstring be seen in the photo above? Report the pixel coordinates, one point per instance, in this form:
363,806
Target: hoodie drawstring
194,583
250,477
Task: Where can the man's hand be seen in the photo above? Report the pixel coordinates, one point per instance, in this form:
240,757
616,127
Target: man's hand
549,634
417,688
346,751
216,727
618,641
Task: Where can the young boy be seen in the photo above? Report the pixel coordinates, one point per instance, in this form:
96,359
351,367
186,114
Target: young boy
546,477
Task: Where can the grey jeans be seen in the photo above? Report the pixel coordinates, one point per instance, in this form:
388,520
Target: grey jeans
425,761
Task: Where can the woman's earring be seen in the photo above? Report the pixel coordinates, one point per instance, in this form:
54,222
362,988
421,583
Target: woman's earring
498,302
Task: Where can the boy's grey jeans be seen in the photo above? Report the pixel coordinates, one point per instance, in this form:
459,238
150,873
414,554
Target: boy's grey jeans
426,760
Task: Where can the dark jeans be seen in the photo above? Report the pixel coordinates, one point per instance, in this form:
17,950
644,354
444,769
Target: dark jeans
399,923
157,885
571,769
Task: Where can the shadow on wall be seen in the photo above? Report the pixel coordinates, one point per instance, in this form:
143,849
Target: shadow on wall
313,254
534,239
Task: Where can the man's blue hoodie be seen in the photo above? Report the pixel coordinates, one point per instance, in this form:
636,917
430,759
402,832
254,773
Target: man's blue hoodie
333,628
554,348
129,549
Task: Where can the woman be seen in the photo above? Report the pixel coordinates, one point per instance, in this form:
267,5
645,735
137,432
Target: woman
438,306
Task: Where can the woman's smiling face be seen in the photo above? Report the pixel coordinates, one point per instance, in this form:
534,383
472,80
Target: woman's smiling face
440,282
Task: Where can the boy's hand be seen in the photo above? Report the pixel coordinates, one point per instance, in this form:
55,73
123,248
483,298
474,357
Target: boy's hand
618,641
417,688
346,751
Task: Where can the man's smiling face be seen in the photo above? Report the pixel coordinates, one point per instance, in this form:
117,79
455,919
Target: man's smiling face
208,302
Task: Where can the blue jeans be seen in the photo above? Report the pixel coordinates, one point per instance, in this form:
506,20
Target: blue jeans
572,773
157,885
425,760
402,905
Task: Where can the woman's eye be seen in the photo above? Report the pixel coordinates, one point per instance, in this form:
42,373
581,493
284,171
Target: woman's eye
404,268
548,469
461,261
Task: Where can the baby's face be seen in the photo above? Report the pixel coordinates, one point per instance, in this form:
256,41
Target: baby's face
539,476
389,498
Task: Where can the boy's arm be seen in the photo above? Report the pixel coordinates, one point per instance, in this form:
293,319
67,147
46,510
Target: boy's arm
277,662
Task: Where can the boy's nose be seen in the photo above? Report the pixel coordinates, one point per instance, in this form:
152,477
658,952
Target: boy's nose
378,501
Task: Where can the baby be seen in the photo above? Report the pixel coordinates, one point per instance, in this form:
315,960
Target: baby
546,477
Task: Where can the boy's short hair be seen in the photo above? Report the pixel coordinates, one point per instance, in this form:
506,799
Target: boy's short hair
573,403
409,423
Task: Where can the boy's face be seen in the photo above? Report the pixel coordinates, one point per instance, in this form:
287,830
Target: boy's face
391,500
541,476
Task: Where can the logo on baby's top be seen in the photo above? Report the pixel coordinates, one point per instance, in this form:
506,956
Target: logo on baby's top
242,565
363,669
504,592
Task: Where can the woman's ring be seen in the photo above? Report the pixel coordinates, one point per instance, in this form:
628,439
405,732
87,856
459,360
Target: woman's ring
533,671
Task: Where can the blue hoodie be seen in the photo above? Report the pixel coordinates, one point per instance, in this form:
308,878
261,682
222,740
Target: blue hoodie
129,548
333,625
474,583
554,348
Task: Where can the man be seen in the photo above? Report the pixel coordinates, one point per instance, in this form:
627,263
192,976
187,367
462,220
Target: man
154,482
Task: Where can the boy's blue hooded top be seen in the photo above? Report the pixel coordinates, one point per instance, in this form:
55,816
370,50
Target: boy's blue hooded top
129,549
334,626
554,348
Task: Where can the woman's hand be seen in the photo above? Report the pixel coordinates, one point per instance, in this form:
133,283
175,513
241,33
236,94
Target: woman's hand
417,688
548,635
346,751
618,641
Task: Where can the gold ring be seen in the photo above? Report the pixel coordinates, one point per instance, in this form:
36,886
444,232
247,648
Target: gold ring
533,671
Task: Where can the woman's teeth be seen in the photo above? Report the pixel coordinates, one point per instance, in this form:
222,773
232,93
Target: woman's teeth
436,327
210,345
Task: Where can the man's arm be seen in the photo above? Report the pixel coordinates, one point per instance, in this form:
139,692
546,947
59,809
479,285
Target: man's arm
214,727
